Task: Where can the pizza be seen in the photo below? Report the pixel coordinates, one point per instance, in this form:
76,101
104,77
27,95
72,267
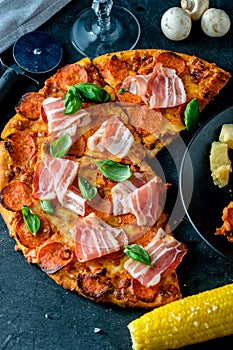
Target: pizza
77,192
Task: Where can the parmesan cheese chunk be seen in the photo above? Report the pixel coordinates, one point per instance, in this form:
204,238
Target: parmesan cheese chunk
220,164
226,135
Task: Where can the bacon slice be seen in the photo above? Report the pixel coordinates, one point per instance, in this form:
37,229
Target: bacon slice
143,202
74,202
160,89
58,121
121,197
94,238
165,252
53,177
113,136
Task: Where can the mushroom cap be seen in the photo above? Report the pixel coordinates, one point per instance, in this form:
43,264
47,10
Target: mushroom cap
176,24
215,22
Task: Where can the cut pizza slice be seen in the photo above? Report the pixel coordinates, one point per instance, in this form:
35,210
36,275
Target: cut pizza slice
163,81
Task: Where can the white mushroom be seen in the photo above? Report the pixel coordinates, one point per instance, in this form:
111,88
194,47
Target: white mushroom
215,22
195,8
176,24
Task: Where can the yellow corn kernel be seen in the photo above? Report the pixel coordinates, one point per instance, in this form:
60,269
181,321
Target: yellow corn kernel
191,320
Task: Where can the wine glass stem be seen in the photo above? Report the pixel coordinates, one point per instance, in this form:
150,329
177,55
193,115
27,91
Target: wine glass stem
102,9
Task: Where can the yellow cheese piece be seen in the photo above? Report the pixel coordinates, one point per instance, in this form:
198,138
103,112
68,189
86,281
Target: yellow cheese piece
220,164
226,134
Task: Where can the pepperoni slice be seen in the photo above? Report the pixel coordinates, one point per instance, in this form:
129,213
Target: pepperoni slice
27,238
30,105
91,285
16,194
172,60
21,146
54,256
66,76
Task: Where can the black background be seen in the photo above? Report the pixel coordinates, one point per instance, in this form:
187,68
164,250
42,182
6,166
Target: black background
35,313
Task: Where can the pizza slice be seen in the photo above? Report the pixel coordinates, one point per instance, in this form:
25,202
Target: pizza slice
165,82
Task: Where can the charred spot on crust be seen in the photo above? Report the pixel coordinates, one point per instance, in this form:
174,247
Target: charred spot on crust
8,146
168,290
93,285
146,294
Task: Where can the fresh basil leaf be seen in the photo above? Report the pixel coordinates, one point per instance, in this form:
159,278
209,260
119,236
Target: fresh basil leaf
31,220
60,146
121,91
92,92
72,101
113,170
138,253
191,114
46,206
87,190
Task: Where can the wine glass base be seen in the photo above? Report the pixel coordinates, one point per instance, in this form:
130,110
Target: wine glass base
88,39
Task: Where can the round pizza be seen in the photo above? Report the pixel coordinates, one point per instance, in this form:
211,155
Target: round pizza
77,192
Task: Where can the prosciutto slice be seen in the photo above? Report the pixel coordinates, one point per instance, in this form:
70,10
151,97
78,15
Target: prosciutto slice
58,122
53,177
165,252
143,201
160,89
73,201
113,136
94,238
121,197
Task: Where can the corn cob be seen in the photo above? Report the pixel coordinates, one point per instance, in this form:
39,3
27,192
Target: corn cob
191,320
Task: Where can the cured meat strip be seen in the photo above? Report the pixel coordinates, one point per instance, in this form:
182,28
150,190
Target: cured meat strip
160,89
74,202
143,202
121,198
53,177
58,121
166,254
113,136
94,238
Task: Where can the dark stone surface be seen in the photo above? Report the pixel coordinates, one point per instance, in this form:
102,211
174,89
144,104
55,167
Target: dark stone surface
35,313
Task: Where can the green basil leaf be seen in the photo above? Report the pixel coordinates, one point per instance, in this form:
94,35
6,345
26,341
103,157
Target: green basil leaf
122,90
191,114
113,170
87,190
72,101
31,220
59,147
92,92
138,253
46,206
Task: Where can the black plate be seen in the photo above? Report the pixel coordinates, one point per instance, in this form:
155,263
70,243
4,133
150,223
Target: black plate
202,200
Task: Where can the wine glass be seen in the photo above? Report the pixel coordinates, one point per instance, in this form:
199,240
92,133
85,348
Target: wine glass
104,28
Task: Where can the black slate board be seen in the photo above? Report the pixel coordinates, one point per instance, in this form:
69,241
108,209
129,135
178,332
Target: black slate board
37,314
